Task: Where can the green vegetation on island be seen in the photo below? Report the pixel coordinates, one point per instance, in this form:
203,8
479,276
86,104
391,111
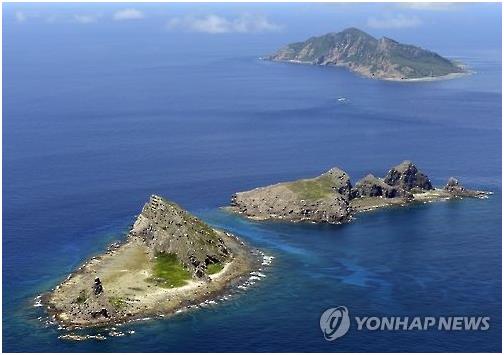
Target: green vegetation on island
381,58
168,271
83,296
312,189
214,268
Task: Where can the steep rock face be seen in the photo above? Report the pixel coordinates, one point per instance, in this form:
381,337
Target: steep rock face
371,186
407,176
371,57
330,197
161,266
454,187
339,181
166,228
321,199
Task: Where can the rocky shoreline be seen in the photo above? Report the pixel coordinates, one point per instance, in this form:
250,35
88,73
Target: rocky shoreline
450,76
121,285
331,197
365,74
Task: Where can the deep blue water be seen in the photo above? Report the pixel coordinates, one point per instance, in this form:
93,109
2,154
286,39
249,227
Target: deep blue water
92,125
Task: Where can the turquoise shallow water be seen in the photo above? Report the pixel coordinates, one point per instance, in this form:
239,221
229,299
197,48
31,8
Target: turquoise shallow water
197,124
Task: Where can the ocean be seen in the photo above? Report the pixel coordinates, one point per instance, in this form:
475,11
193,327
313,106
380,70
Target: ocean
93,125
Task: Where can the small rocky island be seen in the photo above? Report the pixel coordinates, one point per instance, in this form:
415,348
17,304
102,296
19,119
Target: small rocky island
170,260
331,197
360,52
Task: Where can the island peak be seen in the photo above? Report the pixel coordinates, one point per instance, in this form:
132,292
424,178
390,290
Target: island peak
407,176
354,31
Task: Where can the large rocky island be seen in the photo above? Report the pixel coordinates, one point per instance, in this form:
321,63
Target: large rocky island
331,197
362,53
170,260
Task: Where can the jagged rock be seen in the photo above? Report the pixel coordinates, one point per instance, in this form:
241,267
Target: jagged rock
408,177
453,185
340,181
101,313
371,186
455,188
97,287
211,260
199,272
167,228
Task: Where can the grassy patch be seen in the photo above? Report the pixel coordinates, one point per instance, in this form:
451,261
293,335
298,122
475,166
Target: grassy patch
214,268
312,189
82,297
117,302
168,271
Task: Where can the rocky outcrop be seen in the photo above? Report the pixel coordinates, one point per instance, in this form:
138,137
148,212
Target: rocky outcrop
166,228
371,186
381,58
338,181
321,199
330,197
454,188
98,287
408,177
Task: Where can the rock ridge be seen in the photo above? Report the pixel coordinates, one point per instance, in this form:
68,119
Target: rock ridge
331,197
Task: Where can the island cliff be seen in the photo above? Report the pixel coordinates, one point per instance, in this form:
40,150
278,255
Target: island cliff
323,199
169,260
360,52
331,198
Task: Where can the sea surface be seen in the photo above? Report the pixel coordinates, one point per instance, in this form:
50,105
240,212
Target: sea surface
92,125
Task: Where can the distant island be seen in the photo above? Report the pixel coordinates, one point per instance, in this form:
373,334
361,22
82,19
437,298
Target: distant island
170,261
360,52
331,198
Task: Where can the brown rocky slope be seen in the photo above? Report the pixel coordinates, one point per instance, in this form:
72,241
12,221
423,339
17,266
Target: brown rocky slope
169,260
331,198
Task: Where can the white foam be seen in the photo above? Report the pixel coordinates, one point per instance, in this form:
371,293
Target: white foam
38,302
257,273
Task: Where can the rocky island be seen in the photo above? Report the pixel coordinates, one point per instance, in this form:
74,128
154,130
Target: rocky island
170,260
362,53
331,197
